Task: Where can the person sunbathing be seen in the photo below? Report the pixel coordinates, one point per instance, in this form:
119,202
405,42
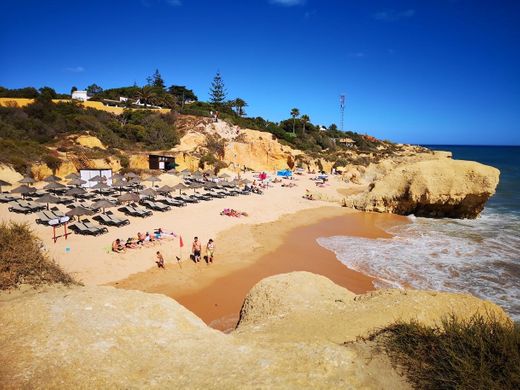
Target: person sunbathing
141,238
131,244
118,247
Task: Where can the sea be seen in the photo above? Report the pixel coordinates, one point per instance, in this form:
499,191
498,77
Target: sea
480,256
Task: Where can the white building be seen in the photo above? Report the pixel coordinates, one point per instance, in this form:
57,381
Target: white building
80,95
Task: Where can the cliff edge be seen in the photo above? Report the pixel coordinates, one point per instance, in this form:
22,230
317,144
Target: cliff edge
296,330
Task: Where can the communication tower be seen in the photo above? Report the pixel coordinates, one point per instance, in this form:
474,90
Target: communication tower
341,110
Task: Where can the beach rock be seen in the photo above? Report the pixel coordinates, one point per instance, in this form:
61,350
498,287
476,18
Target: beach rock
434,188
296,330
89,141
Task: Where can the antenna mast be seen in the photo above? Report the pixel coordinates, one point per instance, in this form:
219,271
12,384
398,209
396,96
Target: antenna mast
341,110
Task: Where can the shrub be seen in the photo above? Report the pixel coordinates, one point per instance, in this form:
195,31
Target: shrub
52,162
479,353
22,259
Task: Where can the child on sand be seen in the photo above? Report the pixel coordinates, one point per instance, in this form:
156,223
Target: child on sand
160,260
118,247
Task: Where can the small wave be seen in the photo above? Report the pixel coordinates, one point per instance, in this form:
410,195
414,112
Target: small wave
481,256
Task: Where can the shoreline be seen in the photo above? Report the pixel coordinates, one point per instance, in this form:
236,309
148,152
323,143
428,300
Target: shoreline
247,254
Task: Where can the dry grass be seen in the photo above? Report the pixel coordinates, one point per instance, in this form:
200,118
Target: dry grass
22,260
479,353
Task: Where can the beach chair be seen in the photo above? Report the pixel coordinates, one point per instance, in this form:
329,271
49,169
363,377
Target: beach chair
172,202
186,199
5,198
139,212
110,220
89,225
16,208
155,206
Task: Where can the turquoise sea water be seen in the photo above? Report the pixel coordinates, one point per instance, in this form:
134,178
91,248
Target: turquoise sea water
480,256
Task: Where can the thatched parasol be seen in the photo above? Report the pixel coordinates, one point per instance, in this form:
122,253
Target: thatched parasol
53,185
75,191
78,211
180,187
117,176
24,190
3,184
48,198
132,175
52,178
152,179
72,176
100,186
27,180
148,192
98,178
165,189
102,204
77,182
128,197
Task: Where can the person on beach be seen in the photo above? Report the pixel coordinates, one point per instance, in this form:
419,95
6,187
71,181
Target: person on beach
160,260
118,247
196,249
210,250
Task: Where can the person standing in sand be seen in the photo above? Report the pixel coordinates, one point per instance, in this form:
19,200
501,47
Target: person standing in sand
210,250
160,260
196,249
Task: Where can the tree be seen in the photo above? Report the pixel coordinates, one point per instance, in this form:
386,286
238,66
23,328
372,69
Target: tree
73,89
305,119
47,93
94,89
146,95
294,113
182,94
239,104
217,92
156,81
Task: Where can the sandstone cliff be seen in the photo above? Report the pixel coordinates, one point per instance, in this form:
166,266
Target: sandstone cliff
432,188
291,335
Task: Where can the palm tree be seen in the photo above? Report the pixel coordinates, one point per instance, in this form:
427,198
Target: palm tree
240,104
146,95
294,113
305,119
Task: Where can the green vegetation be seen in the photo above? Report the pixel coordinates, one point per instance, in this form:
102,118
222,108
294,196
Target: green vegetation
479,353
217,91
22,260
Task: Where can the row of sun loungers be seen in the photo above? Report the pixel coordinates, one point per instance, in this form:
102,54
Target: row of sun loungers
24,207
85,227
109,219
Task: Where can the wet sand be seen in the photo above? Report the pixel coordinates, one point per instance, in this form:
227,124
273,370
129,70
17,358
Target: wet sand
245,255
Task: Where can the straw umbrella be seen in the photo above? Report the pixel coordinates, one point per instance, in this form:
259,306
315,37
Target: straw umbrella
148,192
117,176
98,178
53,186
180,187
72,176
75,192
48,198
77,182
165,189
152,179
128,197
78,211
132,175
27,180
102,204
52,179
3,184
100,186
24,190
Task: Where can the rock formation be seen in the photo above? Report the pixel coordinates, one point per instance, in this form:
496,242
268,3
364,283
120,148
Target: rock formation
434,188
291,334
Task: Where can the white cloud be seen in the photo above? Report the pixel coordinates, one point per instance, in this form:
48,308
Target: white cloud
393,15
287,3
75,69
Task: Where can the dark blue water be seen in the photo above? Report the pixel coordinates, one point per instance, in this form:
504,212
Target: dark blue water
480,256
506,159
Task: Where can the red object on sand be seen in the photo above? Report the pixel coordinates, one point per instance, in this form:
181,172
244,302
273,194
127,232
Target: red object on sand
181,243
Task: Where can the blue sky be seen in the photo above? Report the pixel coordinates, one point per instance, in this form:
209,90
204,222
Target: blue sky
443,71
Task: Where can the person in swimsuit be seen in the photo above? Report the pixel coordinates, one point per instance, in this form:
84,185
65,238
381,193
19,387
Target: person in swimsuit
117,246
196,249
210,250
160,260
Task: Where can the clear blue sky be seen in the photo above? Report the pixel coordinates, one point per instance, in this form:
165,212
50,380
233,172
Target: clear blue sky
438,71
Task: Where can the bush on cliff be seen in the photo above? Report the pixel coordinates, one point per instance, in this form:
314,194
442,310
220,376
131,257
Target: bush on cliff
22,260
479,353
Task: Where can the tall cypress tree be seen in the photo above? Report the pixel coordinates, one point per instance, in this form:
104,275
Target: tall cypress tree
217,92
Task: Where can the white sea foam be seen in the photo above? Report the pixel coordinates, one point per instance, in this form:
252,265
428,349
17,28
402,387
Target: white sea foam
481,257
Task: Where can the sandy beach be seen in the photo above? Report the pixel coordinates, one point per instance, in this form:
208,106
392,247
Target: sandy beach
278,235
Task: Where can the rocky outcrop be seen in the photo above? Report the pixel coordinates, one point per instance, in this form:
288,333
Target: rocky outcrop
434,188
292,334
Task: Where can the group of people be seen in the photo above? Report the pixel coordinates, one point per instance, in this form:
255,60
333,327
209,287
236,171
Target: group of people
142,239
196,250
233,213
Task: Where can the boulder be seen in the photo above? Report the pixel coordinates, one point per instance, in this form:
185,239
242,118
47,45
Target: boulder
435,188
292,334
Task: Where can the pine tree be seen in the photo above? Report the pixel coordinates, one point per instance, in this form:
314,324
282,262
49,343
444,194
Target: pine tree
157,80
217,92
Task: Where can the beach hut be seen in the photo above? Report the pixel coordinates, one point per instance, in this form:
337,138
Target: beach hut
93,176
161,162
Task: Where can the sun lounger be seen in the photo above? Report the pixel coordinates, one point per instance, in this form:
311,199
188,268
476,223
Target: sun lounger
155,206
80,228
186,199
17,208
89,225
110,220
172,202
4,198
135,212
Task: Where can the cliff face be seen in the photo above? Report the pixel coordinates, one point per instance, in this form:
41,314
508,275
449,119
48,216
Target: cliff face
432,188
292,333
